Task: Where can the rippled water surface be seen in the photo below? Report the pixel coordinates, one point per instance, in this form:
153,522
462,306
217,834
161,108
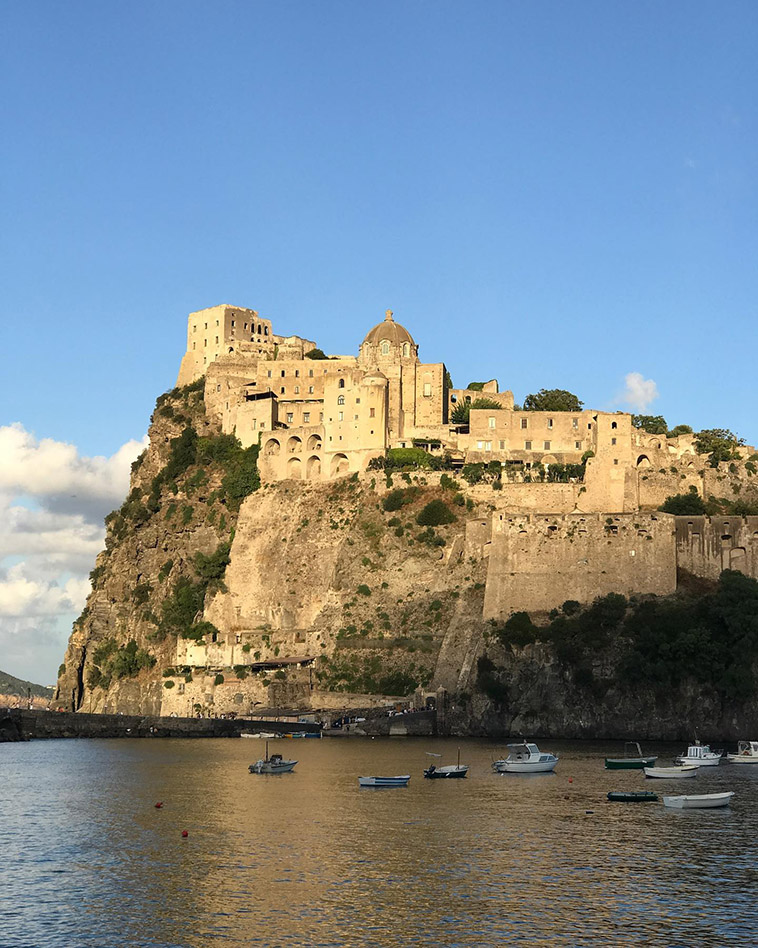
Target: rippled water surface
310,859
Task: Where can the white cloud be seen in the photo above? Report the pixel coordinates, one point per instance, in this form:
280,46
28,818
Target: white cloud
639,392
52,504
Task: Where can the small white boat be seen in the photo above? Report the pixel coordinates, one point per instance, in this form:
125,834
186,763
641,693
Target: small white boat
260,735
671,773
525,758
700,755
401,781
699,801
275,764
747,753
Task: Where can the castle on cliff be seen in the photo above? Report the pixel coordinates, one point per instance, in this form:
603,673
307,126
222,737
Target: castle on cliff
317,417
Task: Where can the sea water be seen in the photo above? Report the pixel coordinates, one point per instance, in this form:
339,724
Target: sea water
309,859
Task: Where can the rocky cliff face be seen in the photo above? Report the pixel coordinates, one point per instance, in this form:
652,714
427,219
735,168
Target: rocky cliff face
217,595
213,595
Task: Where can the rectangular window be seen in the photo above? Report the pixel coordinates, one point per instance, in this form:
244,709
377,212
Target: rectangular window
613,440
310,373
550,422
577,445
193,345
233,324
487,445
254,423
491,422
218,388
340,416
615,460
524,422
205,343
427,389
357,401
297,373
480,446
297,390
310,389
547,445
283,373
527,446
574,422
372,413
216,340
290,417
306,417
321,417
244,327
269,373
502,445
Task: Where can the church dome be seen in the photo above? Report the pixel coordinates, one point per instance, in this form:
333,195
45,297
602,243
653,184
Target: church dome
388,329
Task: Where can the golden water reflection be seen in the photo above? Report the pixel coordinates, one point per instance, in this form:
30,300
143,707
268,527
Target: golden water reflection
311,859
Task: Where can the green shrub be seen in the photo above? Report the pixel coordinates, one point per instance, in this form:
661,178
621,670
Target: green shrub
219,679
435,513
364,590
168,684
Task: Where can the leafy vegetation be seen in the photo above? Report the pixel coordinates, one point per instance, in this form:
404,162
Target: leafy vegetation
689,504
111,660
660,643
719,444
461,414
552,399
435,513
316,354
652,424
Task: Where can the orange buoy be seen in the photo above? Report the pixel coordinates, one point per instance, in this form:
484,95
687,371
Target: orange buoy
185,834
571,779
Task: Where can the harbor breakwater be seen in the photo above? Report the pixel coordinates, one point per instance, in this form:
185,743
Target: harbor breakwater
22,724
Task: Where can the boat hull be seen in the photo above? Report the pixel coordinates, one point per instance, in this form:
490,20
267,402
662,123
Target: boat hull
671,773
701,801
698,762
525,766
629,763
451,772
741,759
399,781
266,767
632,796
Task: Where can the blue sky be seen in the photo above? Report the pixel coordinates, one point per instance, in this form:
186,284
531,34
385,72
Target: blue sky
554,194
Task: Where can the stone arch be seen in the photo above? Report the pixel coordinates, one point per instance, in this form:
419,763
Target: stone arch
643,461
656,445
272,448
295,468
340,464
313,468
294,445
314,442
231,348
549,459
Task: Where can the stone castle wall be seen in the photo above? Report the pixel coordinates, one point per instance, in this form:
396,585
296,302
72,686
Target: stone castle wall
537,562
706,546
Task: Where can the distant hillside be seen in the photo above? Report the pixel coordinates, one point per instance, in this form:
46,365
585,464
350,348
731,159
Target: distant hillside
16,686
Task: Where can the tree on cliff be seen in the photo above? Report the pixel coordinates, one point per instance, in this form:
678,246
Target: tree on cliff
684,505
552,399
719,444
653,424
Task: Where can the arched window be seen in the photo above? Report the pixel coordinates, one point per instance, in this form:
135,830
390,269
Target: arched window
385,347
342,383
614,425
406,349
341,400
